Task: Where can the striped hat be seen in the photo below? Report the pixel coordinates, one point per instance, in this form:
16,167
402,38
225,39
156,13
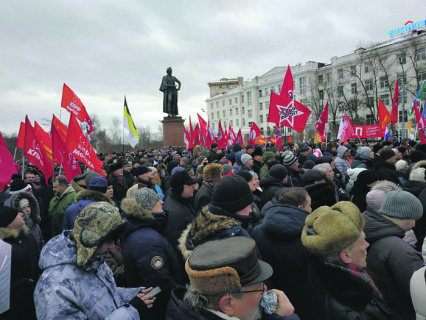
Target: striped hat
289,160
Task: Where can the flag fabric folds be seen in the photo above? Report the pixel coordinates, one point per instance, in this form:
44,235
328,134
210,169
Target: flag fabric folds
347,129
61,129
129,125
80,147
73,104
410,130
395,103
421,123
384,116
240,137
418,99
6,164
221,137
290,139
287,88
232,135
323,119
278,138
254,133
186,138
20,143
44,139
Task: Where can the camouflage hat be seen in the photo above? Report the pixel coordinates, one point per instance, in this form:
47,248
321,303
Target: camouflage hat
96,223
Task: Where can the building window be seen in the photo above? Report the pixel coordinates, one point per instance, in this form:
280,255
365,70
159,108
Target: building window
250,113
224,124
236,111
218,114
260,93
340,91
266,92
321,94
243,110
341,107
385,99
250,124
217,88
368,85
370,102
212,115
279,88
230,101
401,80
211,105
230,112
236,99
330,93
223,103
383,82
370,119
261,118
367,66
329,77
224,113
353,88
242,99
273,89
237,122
244,122
302,83
321,80
422,75
421,54
249,100
340,74
401,58
217,104
261,106
401,116
353,70
231,123
383,63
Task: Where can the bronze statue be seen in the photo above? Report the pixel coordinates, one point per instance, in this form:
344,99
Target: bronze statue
170,99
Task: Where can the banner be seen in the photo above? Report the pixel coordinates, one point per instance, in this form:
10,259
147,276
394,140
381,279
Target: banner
6,164
130,125
372,131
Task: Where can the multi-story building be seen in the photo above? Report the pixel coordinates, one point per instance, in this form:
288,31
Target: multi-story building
353,83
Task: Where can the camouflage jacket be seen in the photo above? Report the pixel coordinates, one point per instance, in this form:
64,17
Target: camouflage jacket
66,291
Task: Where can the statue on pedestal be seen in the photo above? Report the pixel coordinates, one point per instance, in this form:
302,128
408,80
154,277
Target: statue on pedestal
170,99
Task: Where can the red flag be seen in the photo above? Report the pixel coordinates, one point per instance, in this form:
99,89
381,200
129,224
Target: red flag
287,88
278,138
73,104
6,164
254,133
196,135
221,138
62,155
191,131
210,137
203,125
80,147
186,138
35,153
20,143
61,129
232,135
240,137
323,119
421,123
272,139
226,136
289,113
44,139
384,116
290,139
395,103
348,129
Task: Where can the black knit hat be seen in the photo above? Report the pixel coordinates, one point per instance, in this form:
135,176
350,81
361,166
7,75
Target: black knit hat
141,170
366,177
257,152
18,185
232,194
247,175
7,215
278,171
387,154
115,166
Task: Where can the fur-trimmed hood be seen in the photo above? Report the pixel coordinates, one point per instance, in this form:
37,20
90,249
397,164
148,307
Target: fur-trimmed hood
34,217
92,195
204,226
135,210
419,164
6,233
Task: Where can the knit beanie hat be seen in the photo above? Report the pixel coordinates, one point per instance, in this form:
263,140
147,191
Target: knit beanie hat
329,230
200,169
278,171
226,168
245,157
247,175
418,174
212,172
400,165
401,205
146,197
23,202
387,154
289,160
7,215
268,156
18,185
232,194
141,170
309,164
366,177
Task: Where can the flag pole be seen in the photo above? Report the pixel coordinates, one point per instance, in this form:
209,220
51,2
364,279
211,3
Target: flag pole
53,146
14,154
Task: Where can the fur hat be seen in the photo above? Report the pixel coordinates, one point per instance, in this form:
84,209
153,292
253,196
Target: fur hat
329,230
212,173
141,170
401,205
278,171
226,265
232,194
146,197
366,177
115,166
245,157
289,160
96,223
200,169
257,152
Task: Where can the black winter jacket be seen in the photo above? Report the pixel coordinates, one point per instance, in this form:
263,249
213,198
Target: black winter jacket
269,185
387,171
321,195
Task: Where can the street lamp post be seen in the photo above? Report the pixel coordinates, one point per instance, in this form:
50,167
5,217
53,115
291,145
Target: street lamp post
403,99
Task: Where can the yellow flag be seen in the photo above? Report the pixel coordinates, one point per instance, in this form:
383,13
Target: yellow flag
129,125
409,127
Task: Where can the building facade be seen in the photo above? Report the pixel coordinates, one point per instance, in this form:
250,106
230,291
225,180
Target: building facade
353,83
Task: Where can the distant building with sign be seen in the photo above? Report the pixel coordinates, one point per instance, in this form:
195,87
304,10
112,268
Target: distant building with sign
352,83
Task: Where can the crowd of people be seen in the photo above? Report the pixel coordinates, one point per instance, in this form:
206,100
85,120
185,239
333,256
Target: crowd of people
311,231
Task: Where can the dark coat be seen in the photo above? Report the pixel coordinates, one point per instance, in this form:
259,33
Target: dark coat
119,187
321,195
335,294
414,187
387,171
181,213
279,243
269,186
24,272
203,196
178,310
128,176
257,165
362,163
294,178
391,262
149,259
359,196
212,156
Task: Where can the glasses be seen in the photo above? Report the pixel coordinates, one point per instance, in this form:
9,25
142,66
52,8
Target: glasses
259,290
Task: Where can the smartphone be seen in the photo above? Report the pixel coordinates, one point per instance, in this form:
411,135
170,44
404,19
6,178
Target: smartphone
154,291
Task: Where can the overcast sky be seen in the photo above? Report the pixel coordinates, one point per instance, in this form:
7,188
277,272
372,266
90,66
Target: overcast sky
104,50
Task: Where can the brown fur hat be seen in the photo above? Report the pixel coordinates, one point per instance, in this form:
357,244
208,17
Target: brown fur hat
212,173
329,230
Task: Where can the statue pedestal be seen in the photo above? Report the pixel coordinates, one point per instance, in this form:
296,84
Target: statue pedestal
173,131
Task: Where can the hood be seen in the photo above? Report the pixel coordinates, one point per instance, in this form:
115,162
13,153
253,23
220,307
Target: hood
353,173
59,250
414,187
35,209
341,151
92,195
268,181
364,152
378,227
283,221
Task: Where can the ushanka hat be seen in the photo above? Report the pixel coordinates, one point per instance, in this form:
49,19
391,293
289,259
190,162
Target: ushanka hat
96,223
226,265
115,166
329,230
